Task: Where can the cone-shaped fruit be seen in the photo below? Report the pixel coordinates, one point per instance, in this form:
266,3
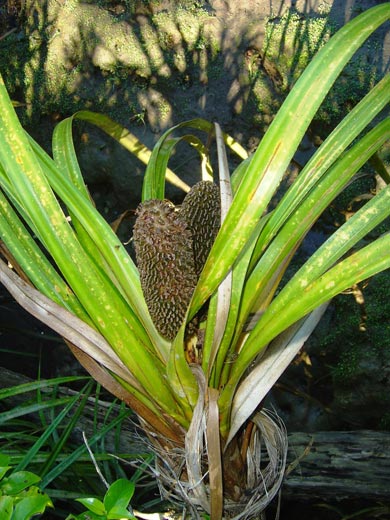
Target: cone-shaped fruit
164,251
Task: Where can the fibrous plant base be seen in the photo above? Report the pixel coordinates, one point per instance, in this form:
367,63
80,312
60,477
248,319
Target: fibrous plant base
265,462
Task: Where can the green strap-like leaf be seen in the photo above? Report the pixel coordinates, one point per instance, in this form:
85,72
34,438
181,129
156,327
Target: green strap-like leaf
108,245
329,151
119,494
277,147
127,140
111,315
33,262
180,375
317,281
154,183
308,212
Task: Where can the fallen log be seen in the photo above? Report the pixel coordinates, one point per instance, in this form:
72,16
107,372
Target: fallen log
329,465
338,465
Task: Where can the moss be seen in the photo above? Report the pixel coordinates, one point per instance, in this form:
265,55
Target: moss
359,360
86,54
357,78
292,40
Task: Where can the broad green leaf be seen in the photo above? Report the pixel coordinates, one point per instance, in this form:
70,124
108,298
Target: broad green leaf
4,460
119,495
311,286
18,481
119,513
4,470
154,184
111,315
6,507
93,504
65,157
31,506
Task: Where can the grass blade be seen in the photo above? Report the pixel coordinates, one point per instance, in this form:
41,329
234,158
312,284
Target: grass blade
29,457
35,385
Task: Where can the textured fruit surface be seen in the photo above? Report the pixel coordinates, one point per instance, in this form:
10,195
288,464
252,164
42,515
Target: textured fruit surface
201,209
164,251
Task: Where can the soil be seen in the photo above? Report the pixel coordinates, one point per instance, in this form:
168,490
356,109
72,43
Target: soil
342,379
150,65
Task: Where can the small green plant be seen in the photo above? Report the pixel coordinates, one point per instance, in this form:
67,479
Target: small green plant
39,435
115,504
20,497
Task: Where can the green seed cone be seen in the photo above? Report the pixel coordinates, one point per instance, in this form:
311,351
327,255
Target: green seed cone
201,209
164,251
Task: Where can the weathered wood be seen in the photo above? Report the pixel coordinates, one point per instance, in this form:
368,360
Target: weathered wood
339,465
322,465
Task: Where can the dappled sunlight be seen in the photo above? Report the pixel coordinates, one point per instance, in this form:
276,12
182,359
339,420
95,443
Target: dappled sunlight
151,66
113,58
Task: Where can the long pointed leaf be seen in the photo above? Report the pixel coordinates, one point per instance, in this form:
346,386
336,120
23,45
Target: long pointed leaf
252,390
363,264
109,246
329,151
154,183
32,261
123,136
310,209
276,149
